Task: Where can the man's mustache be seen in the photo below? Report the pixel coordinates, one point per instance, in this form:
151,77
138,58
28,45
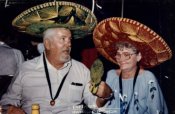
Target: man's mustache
67,50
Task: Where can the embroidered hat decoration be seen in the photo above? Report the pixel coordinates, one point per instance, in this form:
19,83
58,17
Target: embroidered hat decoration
79,19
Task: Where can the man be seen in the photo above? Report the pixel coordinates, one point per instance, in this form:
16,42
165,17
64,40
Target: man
10,61
53,80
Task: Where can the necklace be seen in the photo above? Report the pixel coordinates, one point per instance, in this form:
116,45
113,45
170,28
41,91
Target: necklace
121,91
52,102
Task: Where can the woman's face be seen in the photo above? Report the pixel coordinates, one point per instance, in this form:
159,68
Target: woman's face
127,59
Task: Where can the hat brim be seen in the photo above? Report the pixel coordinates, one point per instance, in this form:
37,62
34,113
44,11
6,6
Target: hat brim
108,32
79,19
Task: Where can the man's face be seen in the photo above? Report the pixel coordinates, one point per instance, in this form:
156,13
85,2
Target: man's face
60,45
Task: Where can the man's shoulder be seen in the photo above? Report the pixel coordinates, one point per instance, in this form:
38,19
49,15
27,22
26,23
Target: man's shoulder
16,50
77,62
31,63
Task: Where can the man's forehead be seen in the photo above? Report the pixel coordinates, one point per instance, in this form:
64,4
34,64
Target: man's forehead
62,32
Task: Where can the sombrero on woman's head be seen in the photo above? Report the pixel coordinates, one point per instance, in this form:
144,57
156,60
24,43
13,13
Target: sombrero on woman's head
79,19
108,32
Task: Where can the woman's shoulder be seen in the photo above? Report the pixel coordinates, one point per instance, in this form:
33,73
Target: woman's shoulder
112,74
147,75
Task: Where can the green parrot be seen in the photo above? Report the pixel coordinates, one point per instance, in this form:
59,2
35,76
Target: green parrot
96,73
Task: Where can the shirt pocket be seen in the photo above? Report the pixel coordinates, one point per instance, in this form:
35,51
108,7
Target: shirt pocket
75,93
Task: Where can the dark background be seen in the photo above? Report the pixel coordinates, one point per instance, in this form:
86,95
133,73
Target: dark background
157,14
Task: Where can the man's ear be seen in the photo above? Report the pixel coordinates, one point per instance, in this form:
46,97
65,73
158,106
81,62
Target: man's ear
47,44
139,57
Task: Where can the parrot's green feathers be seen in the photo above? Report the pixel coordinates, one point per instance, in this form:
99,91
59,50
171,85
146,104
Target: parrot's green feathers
96,73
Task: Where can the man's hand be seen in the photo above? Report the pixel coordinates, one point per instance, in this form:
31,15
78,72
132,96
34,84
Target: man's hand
15,110
104,91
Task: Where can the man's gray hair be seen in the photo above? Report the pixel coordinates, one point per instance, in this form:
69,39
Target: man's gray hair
48,33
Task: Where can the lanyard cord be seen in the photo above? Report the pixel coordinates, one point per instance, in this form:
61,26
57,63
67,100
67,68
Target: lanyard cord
49,83
121,89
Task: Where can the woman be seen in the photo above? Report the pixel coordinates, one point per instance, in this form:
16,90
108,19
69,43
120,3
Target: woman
136,91
133,47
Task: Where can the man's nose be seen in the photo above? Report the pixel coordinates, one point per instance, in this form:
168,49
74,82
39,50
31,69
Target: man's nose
68,43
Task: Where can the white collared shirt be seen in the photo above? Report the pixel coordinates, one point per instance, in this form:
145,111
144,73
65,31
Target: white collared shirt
31,87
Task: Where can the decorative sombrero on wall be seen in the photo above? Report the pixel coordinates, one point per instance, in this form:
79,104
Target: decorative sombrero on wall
79,19
108,32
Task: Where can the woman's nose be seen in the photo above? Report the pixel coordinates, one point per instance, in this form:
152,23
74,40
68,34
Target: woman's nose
121,58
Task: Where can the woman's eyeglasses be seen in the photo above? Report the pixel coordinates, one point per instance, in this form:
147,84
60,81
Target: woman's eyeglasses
126,55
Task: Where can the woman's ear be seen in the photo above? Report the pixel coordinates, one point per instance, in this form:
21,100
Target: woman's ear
139,57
